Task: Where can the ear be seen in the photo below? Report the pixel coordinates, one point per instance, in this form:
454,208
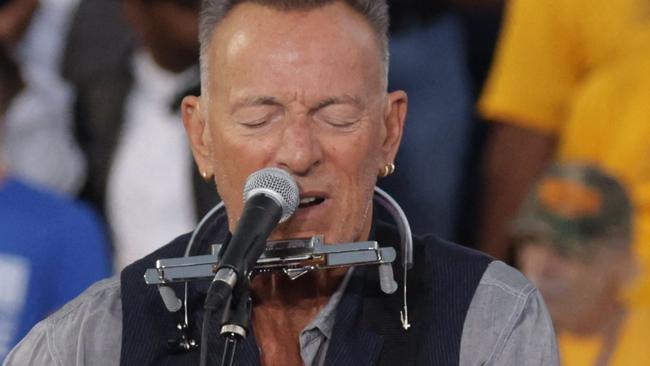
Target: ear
394,119
198,132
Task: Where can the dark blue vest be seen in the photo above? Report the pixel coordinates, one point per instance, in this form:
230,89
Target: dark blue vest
367,330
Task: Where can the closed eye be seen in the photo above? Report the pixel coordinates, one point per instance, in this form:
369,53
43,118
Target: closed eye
256,116
335,122
255,124
339,115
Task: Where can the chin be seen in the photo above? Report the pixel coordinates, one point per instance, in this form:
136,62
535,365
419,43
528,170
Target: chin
293,230
321,220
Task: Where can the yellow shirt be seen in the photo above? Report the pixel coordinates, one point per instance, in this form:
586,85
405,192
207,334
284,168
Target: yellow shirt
631,347
549,49
580,70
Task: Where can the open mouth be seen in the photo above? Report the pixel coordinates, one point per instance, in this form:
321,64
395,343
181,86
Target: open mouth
310,202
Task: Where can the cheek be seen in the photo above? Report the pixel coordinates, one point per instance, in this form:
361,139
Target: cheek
593,282
234,153
357,176
532,262
356,161
359,156
582,285
233,160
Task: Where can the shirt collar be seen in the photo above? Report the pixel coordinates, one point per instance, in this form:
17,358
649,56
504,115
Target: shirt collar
324,320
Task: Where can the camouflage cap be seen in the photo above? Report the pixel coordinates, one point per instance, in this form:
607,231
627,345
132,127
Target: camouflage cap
575,207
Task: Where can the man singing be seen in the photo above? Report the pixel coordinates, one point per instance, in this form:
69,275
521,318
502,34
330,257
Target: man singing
301,86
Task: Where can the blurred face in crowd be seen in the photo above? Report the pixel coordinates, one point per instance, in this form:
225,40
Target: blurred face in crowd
168,28
580,289
303,91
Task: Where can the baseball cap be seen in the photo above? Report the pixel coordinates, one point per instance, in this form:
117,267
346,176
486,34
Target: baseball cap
575,207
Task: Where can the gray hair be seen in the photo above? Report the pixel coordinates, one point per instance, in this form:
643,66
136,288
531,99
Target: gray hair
213,11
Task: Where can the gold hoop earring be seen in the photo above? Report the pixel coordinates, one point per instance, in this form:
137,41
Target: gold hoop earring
387,170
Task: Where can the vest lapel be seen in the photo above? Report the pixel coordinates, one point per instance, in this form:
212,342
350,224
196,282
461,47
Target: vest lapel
351,343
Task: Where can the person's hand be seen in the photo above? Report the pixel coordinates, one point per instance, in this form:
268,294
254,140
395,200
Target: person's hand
15,17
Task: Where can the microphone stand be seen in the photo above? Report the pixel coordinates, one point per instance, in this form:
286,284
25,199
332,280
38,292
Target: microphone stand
235,320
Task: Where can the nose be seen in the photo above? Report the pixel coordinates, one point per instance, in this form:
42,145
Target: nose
300,150
548,263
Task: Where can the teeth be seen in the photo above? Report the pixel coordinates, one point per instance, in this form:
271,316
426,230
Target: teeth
307,200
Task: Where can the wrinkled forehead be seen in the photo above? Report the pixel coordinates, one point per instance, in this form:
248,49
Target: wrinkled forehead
323,44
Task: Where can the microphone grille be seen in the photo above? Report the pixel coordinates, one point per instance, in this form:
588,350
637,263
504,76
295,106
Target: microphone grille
277,184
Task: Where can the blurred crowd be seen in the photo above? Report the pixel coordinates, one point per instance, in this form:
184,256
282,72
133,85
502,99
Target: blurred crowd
528,137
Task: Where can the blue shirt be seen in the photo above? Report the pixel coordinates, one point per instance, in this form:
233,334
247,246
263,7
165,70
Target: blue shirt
51,249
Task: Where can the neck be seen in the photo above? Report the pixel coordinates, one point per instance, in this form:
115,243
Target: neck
310,290
282,308
597,321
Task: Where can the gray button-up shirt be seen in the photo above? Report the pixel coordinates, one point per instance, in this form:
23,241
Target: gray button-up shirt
507,324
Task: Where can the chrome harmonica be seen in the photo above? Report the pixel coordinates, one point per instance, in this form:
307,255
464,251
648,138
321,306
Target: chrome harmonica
293,257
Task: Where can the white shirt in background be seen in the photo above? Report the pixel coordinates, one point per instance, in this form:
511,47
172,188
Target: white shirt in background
149,192
38,139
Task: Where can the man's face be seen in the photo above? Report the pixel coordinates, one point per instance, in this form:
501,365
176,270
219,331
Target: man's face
303,91
577,291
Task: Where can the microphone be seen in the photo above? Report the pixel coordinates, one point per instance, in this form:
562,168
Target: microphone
270,197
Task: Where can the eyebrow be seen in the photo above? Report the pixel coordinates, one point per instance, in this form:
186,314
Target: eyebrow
254,101
343,99
268,100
